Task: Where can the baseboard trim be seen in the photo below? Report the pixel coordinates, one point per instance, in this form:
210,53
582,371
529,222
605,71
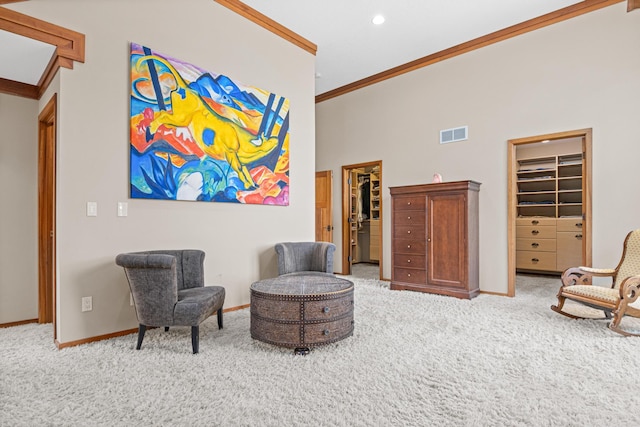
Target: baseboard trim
240,307
62,345
21,322
500,294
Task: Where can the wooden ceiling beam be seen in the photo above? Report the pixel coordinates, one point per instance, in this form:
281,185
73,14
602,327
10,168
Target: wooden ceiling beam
70,47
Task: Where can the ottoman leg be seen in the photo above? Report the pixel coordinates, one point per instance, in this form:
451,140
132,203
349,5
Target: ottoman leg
301,351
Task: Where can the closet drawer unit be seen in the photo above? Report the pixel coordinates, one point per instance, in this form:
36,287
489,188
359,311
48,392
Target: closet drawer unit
536,231
536,245
531,260
409,246
408,275
409,217
374,240
374,228
569,224
569,250
403,203
535,221
410,261
374,253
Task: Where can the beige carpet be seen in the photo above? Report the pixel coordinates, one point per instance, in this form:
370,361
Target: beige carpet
414,360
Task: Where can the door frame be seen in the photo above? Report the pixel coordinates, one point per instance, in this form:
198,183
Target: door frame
47,130
512,144
346,201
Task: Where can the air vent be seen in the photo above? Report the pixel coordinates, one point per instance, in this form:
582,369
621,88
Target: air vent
454,134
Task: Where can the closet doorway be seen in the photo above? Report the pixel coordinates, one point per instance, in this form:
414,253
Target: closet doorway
362,215
549,190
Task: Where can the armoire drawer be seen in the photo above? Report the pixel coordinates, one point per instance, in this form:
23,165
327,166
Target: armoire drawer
409,231
537,245
409,203
569,224
535,221
409,218
409,246
408,275
531,260
536,231
410,261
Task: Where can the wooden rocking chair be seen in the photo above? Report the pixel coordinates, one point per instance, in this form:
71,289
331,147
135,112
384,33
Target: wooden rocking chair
615,300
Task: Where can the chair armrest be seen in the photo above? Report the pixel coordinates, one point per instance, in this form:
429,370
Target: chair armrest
598,271
584,275
630,289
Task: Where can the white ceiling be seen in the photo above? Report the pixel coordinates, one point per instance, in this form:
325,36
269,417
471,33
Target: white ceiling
350,47
23,59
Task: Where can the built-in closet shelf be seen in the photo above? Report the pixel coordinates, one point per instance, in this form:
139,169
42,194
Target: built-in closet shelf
550,186
549,204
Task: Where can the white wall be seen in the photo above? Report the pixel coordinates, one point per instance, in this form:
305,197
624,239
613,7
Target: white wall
18,209
93,155
581,73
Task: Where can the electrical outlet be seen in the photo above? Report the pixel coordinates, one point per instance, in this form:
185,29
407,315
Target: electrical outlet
87,303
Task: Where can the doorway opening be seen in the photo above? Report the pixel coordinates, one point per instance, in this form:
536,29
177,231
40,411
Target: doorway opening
46,214
362,216
549,190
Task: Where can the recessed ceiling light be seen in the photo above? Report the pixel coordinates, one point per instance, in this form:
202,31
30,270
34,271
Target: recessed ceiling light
378,19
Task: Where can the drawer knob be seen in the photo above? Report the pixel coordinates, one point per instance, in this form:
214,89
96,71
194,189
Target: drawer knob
578,236
535,222
408,217
534,232
579,224
408,203
409,232
535,245
534,260
408,246
326,332
409,261
325,310
408,274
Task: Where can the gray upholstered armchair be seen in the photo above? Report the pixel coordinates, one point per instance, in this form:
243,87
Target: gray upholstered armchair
168,290
305,257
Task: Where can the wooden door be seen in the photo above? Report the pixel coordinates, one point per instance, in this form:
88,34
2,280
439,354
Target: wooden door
324,210
46,213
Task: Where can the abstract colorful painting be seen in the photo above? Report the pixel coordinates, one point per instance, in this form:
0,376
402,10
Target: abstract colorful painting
196,135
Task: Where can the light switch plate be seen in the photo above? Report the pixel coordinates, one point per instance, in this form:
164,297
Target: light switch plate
92,208
123,208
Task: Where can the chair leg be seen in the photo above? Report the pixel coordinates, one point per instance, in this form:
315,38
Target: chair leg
195,339
220,318
141,330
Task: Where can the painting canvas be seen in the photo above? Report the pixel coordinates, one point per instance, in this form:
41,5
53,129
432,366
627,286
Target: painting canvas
197,135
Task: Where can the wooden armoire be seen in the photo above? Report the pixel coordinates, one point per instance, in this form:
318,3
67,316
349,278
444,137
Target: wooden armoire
435,238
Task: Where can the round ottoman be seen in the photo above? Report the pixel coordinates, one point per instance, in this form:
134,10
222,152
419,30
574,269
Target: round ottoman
302,310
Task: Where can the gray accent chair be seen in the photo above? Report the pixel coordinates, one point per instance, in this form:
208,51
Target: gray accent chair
305,257
168,289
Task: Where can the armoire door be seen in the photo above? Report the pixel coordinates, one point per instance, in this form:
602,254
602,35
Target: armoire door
446,246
